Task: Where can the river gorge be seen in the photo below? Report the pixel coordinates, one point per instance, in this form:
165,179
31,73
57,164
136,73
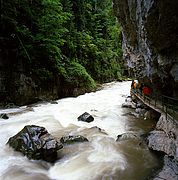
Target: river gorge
101,158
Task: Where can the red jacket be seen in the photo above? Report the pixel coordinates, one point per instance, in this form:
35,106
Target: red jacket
147,90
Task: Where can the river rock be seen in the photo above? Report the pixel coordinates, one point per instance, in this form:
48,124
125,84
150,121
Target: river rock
129,105
149,31
160,141
126,136
36,143
165,137
86,117
73,139
169,170
152,114
4,116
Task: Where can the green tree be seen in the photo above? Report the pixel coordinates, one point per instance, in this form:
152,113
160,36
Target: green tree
60,38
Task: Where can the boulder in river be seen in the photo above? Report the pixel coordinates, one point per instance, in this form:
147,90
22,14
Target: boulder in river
73,139
86,117
4,116
36,143
127,136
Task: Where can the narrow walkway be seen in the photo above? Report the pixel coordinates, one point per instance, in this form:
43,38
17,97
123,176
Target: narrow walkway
161,104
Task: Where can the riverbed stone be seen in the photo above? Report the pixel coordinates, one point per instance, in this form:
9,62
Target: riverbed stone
126,136
36,143
73,139
86,117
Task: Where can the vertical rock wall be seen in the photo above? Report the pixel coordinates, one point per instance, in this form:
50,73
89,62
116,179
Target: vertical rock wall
150,48
150,41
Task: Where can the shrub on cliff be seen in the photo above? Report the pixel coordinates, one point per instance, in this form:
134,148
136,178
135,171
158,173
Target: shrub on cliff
78,76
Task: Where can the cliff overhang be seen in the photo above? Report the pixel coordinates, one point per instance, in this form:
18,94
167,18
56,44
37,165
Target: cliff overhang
150,36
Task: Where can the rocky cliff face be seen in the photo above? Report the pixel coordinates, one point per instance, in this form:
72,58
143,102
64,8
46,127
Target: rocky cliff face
165,139
150,48
150,36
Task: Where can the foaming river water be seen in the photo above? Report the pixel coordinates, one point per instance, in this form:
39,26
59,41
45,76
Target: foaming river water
102,158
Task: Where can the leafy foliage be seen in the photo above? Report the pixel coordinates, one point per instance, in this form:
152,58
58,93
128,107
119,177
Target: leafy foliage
78,76
76,40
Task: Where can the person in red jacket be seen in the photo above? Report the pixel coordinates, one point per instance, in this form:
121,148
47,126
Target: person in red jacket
147,91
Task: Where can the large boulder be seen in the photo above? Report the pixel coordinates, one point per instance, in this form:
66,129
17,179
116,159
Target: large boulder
165,137
73,139
36,143
86,117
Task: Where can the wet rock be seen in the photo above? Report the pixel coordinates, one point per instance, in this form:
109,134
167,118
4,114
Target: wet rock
73,139
138,139
160,141
98,129
130,114
140,111
126,136
89,132
169,170
129,105
4,116
151,114
165,137
128,99
86,117
140,105
36,143
54,102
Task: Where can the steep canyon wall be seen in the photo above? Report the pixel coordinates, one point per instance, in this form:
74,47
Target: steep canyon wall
150,49
150,41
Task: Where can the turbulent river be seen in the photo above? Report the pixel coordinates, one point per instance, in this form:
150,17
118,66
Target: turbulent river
102,158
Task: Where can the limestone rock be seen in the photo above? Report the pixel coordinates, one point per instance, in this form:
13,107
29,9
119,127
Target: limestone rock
150,36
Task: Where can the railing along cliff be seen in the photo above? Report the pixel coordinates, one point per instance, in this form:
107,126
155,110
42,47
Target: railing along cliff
160,103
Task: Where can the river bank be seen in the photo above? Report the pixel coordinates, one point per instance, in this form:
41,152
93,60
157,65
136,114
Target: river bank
162,139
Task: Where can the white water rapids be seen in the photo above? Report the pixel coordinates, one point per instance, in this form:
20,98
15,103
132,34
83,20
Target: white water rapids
100,158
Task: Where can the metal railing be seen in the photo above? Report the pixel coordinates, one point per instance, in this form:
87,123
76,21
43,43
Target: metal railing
166,104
